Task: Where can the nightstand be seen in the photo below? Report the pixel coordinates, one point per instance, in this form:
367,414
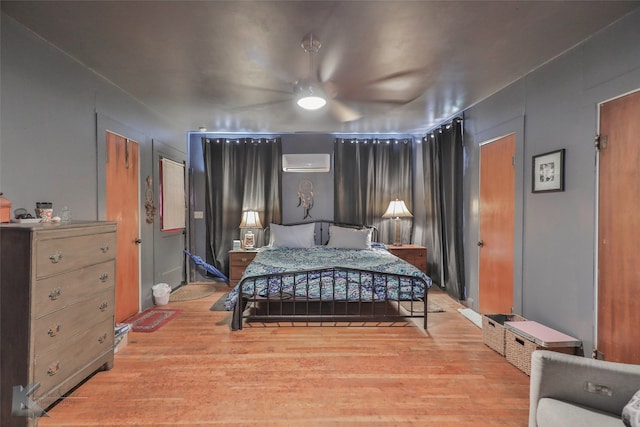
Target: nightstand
413,254
239,259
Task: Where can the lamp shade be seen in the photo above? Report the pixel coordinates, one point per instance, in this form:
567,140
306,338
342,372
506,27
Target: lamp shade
397,209
250,219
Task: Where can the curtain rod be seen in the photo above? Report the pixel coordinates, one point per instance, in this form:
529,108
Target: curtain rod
442,126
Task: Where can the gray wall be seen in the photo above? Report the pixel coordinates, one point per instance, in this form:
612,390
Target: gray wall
554,107
197,206
322,181
54,114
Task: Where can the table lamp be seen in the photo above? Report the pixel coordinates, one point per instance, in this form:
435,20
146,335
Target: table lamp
397,209
250,219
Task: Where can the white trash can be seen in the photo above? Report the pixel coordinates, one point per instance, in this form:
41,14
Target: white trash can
161,293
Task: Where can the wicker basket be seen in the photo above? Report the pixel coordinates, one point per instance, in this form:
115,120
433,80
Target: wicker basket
493,330
518,351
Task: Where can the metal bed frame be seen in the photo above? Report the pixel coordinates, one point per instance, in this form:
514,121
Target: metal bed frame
296,306
278,306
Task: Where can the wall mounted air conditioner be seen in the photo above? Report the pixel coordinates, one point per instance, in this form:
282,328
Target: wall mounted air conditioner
306,162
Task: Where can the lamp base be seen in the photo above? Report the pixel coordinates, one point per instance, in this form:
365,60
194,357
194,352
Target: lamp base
249,240
398,238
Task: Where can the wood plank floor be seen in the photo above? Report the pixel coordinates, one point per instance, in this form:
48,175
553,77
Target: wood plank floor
194,371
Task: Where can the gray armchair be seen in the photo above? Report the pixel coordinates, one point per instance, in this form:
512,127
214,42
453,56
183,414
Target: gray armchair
567,390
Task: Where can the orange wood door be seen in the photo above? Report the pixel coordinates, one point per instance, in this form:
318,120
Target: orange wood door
618,337
122,206
497,197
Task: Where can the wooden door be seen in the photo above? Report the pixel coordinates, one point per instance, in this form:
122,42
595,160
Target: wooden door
123,207
618,337
496,247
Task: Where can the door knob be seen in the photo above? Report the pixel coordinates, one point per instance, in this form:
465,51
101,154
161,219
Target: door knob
138,241
481,243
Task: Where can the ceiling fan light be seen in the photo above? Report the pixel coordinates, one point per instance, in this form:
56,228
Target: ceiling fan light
311,102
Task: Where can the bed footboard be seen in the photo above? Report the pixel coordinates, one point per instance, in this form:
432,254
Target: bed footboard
330,295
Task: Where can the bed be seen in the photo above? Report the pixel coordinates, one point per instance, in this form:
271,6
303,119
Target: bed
327,272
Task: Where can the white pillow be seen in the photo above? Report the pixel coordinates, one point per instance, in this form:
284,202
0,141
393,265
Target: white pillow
349,238
292,236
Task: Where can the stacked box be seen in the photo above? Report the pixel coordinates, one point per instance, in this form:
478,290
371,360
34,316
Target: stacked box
121,333
493,331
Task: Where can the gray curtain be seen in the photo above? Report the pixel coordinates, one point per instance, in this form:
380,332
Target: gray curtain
241,174
443,160
369,173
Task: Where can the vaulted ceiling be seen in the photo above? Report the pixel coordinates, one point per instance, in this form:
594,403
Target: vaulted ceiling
391,66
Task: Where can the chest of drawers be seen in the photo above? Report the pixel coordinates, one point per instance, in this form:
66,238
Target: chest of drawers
57,300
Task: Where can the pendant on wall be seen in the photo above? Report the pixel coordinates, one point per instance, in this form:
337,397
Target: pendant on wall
305,197
148,201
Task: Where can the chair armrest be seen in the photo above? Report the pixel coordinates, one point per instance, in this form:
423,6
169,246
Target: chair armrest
597,384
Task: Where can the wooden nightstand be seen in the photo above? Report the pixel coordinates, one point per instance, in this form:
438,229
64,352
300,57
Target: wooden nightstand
413,254
238,261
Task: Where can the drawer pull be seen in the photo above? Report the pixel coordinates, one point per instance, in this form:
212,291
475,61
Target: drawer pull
55,294
55,330
102,338
104,248
53,369
56,258
103,306
104,277
244,259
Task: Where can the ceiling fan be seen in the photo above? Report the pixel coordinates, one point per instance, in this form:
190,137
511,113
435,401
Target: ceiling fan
315,92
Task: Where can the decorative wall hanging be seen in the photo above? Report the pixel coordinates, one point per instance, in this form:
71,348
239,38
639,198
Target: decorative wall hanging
148,201
548,172
305,197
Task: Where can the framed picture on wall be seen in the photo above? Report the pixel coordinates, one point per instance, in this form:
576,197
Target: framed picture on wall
548,172
172,195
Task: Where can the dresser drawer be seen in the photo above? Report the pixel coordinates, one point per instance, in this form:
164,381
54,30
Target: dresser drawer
56,292
413,254
65,254
238,261
57,327
420,262
416,257
52,367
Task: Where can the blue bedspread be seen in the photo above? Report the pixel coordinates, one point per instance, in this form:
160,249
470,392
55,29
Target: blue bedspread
350,286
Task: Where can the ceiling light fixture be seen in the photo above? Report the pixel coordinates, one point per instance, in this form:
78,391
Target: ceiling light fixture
310,97
312,102
309,94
